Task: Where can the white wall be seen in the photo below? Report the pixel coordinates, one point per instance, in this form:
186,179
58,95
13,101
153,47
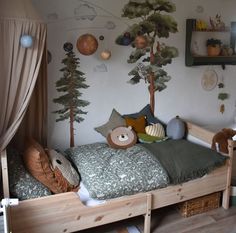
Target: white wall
184,95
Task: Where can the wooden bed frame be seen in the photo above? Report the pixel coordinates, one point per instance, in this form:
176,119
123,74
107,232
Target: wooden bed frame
65,212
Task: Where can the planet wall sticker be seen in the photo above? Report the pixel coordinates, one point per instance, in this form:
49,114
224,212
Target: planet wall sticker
87,44
26,41
105,54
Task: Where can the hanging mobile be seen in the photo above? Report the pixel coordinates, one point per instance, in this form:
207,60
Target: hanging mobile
222,95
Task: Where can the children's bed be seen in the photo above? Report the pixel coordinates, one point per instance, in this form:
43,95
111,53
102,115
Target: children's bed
66,213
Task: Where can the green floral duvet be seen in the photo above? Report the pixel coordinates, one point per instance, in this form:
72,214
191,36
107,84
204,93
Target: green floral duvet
109,173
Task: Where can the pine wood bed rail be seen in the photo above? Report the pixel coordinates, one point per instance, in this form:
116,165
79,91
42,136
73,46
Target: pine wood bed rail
4,170
199,132
66,213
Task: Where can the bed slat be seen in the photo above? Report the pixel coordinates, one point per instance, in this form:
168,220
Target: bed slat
65,213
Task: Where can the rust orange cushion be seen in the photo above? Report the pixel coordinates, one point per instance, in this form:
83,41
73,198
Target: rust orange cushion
38,164
138,124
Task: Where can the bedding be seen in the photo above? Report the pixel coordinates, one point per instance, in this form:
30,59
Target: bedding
22,184
109,173
184,160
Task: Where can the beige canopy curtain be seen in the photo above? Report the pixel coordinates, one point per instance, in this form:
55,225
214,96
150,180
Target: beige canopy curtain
34,123
19,67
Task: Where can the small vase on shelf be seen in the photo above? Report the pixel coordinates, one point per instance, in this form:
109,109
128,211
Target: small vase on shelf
213,47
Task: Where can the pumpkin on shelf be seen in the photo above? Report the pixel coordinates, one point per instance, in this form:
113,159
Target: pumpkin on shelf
213,47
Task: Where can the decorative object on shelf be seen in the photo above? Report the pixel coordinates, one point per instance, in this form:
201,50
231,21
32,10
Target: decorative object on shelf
70,84
26,41
217,23
175,128
226,50
68,47
209,80
195,49
87,44
197,59
143,35
201,25
213,47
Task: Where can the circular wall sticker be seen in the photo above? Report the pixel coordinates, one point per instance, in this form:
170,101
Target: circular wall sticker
209,80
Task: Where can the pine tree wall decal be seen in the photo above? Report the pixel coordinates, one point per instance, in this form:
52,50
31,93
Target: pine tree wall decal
144,35
72,80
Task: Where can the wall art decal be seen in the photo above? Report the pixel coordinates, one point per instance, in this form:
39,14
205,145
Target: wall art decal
84,12
100,68
110,25
145,35
52,16
87,44
70,84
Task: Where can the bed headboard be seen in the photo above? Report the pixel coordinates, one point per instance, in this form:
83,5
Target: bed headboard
199,132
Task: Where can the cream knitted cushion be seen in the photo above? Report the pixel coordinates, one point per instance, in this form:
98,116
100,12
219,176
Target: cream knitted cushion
156,130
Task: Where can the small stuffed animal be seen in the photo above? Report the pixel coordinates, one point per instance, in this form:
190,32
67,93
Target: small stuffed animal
221,138
122,137
67,177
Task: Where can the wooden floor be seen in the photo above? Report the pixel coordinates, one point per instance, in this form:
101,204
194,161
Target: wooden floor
168,220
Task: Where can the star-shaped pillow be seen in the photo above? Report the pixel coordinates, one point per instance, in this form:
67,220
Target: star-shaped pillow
115,121
146,111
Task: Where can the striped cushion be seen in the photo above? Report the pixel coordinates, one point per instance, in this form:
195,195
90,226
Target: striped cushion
156,130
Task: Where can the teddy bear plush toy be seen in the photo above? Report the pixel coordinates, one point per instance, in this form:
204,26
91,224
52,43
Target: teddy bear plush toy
122,137
221,138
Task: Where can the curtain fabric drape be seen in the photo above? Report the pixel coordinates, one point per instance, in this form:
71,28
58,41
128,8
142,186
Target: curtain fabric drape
34,123
19,68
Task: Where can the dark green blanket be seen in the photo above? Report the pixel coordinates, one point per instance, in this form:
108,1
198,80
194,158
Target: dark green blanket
184,160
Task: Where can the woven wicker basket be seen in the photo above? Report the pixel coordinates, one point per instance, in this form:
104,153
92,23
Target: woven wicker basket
200,205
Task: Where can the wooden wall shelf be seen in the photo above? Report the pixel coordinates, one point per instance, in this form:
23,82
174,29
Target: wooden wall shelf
193,60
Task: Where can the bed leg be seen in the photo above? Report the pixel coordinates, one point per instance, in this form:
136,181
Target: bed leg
5,180
147,216
226,192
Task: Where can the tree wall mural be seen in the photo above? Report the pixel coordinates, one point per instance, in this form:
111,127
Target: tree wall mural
152,23
69,84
